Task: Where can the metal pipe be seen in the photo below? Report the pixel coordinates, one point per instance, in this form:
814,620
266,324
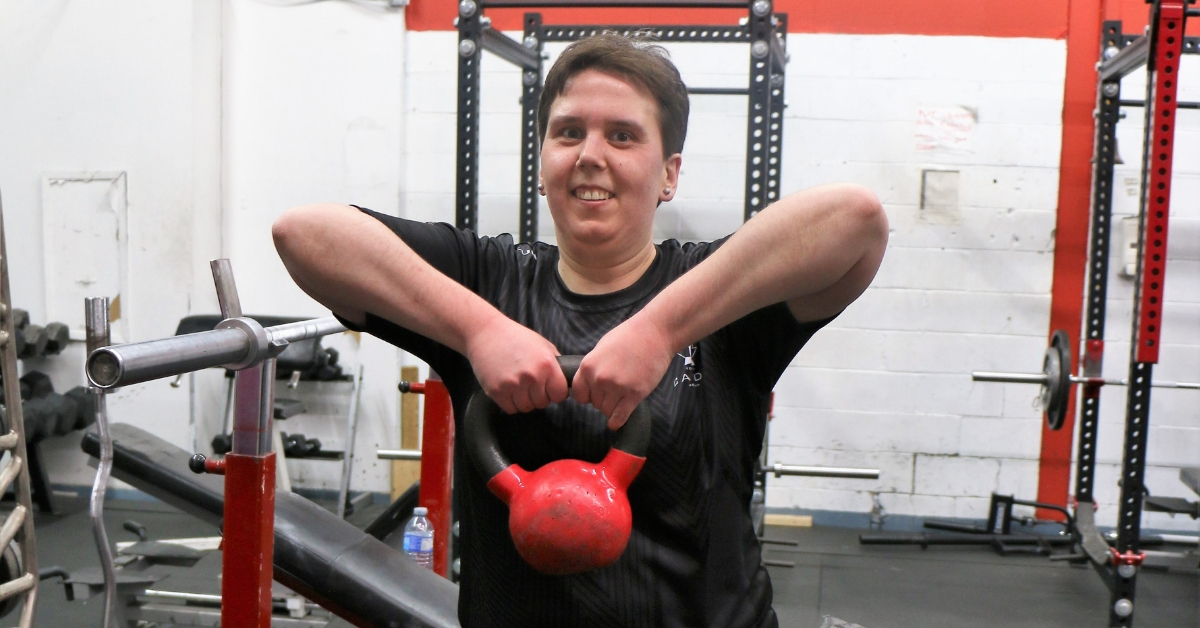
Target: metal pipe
122,365
96,317
1040,378
227,294
208,598
780,469
1142,103
1009,378
398,454
227,422
247,409
303,330
11,471
351,431
266,407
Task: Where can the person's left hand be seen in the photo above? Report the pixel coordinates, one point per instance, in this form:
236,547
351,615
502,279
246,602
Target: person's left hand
624,367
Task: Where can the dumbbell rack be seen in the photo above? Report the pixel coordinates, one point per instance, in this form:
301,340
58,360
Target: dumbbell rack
18,526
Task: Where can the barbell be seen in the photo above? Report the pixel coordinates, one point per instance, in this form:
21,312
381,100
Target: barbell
1056,380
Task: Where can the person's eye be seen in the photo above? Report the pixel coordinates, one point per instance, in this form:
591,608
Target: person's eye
573,133
622,137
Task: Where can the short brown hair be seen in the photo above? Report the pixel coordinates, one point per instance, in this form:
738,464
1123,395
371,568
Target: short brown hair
635,60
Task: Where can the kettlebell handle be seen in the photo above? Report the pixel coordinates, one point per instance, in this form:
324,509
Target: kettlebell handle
480,429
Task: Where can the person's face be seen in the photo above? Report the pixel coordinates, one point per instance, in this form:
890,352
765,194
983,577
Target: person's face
602,163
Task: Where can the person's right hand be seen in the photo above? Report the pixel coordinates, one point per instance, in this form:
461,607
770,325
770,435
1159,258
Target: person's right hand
516,366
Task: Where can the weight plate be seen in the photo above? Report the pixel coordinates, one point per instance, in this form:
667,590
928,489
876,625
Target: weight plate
1056,393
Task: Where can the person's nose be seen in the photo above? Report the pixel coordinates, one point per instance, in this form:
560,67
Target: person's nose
591,151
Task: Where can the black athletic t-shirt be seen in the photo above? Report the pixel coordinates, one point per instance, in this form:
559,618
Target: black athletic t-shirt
693,558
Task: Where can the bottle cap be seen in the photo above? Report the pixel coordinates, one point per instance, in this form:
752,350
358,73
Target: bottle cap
420,511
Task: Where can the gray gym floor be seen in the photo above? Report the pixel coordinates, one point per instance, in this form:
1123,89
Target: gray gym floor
873,586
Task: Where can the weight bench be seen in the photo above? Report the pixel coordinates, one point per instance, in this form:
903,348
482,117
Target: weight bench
317,555
1190,476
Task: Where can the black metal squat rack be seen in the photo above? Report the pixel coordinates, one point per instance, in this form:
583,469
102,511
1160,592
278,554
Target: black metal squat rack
764,31
1160,50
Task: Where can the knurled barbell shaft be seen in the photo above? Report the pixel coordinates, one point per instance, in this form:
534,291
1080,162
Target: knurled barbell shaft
1040,378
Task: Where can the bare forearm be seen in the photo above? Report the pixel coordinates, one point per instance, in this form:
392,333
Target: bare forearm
354,264
816,250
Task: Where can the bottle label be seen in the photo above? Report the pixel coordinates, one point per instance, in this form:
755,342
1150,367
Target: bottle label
418,544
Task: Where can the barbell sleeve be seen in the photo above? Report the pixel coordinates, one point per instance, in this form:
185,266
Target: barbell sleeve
398,454
236,343
780,469
122,365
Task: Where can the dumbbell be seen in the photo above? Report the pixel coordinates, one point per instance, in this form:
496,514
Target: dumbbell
39,423
64,411
39,385
297,446
222,444
25,392
36,340
326,369
20,318
51,415
85,407
57,337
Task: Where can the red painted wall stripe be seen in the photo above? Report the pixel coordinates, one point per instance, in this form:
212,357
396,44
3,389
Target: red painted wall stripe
988,18
1071,231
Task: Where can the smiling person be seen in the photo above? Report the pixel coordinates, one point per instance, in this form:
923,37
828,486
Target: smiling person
699,331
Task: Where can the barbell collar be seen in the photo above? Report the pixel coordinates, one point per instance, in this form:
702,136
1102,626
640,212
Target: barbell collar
780,469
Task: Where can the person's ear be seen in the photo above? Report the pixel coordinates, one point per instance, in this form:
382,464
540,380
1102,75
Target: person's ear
670,177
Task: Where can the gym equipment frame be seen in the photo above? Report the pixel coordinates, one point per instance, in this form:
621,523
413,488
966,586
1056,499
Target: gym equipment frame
764,30
18,555
243,345
1160,51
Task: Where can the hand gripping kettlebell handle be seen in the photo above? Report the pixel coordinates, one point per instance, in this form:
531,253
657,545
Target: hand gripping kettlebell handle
480,429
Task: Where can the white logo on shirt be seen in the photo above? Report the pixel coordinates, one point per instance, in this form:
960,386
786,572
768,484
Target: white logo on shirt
690,376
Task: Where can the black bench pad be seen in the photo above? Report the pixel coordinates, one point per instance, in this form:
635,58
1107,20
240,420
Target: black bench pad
1191,477
317,554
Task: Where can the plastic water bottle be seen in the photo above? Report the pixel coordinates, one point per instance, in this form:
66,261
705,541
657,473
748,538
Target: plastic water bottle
418,538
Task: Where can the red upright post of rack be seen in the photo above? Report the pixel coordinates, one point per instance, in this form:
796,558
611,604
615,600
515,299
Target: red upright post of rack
437,469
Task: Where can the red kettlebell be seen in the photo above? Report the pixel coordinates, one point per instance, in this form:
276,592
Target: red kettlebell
569,516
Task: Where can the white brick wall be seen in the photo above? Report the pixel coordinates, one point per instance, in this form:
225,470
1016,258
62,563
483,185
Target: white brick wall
887,384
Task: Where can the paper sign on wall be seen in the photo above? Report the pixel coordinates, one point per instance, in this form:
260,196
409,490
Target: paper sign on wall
946,130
